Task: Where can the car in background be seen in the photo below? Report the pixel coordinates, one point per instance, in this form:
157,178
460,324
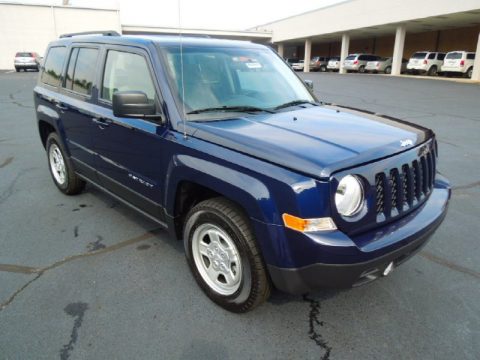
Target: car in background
384,65
27,60
425,62
291,61
459,62
358,62
333,63
319,63
298,66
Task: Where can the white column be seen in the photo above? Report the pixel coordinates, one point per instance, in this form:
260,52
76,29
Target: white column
344,51
280,49
476,63
398,50
308,55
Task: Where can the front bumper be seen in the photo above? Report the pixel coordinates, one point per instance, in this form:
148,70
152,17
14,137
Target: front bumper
376,249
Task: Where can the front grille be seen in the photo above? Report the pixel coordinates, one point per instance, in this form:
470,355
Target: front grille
401,189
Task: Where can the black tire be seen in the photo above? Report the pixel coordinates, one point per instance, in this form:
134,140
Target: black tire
72,184
469,72
361,69
323,68
254,287
433,71
17,69
388,70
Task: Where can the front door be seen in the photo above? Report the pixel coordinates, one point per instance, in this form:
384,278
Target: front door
130,152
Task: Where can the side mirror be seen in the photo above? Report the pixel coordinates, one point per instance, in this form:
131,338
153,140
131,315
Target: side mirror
133,104
309,84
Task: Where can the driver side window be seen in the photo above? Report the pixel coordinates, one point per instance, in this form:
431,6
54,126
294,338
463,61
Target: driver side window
126,72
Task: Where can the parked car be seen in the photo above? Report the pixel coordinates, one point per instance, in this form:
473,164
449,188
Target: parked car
298,66
291,61
358,62
334,63
425,62
384,65
319,63
265,187
27,60
459,62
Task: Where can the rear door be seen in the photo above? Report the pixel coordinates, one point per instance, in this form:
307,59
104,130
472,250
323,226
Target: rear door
75,103
131,152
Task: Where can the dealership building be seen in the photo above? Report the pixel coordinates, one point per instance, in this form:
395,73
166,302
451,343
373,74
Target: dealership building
394,28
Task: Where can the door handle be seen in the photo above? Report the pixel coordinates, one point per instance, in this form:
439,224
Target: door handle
102,122
60,106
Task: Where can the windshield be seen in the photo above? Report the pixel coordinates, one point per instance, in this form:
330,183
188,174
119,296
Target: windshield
454,55
240,79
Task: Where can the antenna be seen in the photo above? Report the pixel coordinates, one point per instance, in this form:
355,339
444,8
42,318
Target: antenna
181,70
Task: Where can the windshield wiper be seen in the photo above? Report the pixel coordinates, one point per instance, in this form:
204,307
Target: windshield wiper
230,109
293,103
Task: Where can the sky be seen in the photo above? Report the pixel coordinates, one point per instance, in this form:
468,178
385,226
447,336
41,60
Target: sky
200,14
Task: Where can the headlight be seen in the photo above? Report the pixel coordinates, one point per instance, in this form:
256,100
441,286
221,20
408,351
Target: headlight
349,196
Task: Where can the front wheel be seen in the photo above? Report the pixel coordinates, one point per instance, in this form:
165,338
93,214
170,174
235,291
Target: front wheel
223,255
61,167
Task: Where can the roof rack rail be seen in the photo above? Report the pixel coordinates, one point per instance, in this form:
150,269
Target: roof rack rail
100,32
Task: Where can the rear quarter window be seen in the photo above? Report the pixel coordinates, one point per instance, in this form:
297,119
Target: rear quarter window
470,56
52,68
431,56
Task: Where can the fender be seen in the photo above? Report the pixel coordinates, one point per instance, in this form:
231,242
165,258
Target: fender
250,193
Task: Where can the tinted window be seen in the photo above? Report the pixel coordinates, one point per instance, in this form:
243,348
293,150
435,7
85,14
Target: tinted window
363,57
84,72
335,58
419,55
71,66
441,56
454,55
351,57
126,72
24,54
471,56
52,70
431,56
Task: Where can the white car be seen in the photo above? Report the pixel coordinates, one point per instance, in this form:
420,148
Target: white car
27,60
333,64
298,66
358,62
460,62
384,65
425,62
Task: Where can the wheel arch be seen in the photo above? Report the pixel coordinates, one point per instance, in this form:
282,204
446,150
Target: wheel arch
191,180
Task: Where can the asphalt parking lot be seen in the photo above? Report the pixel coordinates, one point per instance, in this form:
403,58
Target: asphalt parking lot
84,277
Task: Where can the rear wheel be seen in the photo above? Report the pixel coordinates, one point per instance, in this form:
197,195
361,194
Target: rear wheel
17,69
361,69
61,167
433,71
223,255
388,70
469,72
323,68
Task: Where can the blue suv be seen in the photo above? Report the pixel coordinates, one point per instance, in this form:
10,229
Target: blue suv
221,143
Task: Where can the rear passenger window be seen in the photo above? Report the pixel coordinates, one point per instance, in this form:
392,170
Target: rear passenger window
52,70
471,56
431,56
81,70
126,72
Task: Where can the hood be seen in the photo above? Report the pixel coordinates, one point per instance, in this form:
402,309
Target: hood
317,141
